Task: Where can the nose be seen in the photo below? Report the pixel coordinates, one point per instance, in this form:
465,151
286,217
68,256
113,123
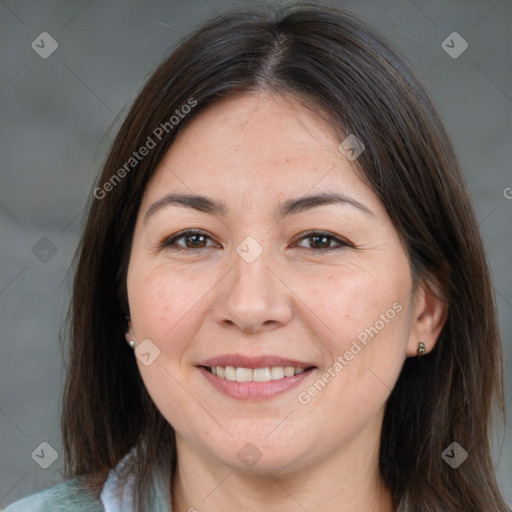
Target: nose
253,297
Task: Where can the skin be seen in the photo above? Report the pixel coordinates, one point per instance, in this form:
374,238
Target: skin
295,300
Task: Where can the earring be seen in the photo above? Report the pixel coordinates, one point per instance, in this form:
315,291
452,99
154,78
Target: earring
131,343
421,348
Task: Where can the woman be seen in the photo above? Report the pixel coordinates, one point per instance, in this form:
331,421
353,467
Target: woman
281,299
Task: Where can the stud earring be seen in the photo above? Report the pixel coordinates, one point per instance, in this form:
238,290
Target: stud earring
421,348
131,343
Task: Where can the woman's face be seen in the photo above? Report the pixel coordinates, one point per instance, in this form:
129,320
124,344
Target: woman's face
306,332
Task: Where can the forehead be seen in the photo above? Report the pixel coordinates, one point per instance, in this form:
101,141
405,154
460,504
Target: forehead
261,145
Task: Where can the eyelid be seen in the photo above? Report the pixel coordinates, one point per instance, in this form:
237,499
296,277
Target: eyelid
170,242
343,242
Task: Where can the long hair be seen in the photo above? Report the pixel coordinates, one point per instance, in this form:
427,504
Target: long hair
331,61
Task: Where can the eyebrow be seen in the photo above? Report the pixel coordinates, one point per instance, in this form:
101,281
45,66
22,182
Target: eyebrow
218,208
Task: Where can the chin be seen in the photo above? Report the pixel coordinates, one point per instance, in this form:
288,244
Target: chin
260,456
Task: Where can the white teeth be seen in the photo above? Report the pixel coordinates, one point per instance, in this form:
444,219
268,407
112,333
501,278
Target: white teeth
261,375
243,375
289,371
265,374
277,372
230,373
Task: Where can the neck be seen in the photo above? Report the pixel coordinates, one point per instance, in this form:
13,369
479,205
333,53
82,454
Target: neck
346,480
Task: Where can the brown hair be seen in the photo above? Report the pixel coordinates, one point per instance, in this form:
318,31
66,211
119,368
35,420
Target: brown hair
327,58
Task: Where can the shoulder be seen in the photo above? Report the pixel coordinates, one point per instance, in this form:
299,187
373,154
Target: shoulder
70,495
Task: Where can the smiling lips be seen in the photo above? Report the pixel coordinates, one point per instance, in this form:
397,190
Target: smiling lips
261,377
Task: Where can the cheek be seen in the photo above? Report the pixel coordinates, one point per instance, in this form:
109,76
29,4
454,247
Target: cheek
375,318
164,300
365,327
352,297
165,304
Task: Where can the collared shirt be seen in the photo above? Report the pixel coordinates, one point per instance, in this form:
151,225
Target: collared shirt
114,497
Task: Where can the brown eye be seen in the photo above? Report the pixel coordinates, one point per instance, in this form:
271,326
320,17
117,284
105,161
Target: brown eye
321,241
193,239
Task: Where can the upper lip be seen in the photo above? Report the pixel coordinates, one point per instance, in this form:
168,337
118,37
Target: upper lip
241,361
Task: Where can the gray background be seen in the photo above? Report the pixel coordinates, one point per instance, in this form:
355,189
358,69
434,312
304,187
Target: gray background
59,115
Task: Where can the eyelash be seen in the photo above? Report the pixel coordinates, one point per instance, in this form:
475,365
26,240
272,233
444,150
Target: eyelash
170,243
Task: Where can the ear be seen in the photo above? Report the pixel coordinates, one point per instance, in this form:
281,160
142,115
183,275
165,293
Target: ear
429,316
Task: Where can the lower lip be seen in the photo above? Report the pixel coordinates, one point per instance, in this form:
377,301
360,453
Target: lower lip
254,390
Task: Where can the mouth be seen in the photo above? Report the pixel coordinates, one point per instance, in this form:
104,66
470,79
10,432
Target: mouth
257,378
